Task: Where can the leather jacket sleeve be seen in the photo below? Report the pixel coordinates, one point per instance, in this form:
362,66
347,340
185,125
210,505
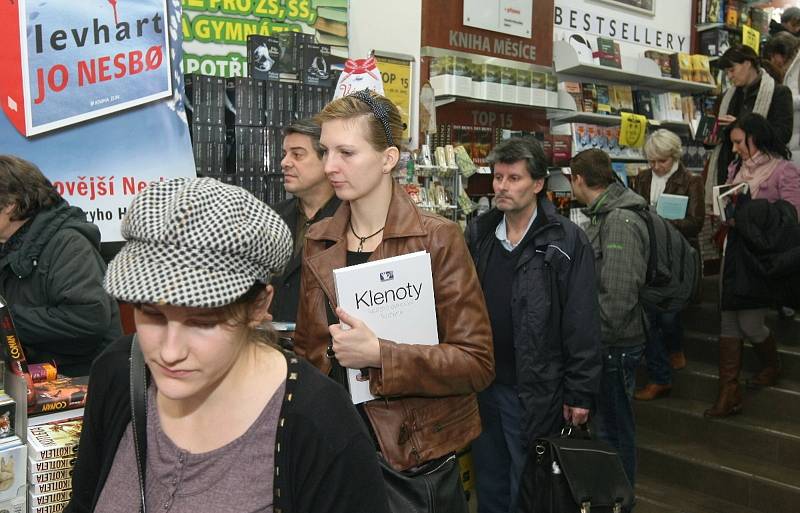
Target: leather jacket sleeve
463,361
692,223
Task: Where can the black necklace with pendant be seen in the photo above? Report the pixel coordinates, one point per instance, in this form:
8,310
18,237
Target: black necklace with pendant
361,239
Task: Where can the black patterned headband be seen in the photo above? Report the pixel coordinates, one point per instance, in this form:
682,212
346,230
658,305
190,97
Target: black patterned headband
378,110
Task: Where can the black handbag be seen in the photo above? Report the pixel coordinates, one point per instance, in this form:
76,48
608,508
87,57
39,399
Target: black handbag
434,487
569,474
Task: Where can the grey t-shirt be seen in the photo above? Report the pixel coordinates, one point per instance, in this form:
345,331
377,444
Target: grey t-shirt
236,477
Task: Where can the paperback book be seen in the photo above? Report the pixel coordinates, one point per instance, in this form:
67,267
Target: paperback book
672,206
726,198
14,355
394,297
61,394
54,441
12,474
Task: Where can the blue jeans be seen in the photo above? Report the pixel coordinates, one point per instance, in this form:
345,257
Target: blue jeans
665,337
497,453
613,420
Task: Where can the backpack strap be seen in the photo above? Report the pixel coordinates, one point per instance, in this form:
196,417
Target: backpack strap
138,386
652,260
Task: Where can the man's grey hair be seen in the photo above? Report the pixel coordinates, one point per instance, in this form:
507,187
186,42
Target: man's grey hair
790,14
515,149
306,127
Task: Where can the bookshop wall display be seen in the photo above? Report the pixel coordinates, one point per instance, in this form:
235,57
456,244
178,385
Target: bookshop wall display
632,28
40,426
725,23
443,27
100,163
642,6
397,76
216,34
506,16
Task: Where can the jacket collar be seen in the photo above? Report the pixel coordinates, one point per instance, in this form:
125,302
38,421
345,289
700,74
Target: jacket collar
487,223
679,178
402,220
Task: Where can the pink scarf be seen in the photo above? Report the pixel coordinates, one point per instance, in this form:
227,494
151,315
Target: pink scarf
756,170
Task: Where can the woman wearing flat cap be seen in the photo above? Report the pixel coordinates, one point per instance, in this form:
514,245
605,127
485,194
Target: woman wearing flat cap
227,422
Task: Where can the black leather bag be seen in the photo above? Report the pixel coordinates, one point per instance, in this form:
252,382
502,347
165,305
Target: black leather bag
566,474
435,487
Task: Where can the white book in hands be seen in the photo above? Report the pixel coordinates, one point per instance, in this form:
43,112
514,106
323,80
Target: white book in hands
394,298
725,198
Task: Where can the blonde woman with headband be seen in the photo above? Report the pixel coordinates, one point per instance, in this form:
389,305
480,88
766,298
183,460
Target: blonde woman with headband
426,408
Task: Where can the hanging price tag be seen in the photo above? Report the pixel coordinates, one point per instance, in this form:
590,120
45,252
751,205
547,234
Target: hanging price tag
751,37
632,130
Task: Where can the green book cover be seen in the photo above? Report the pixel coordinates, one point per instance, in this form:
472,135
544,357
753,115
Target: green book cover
609,52
603,102
329,39
332,13
330,3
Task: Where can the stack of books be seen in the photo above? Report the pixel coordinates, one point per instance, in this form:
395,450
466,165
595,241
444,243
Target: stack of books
52,450
12,460
46,391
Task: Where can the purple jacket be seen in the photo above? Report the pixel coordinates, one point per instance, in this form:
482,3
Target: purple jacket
784,183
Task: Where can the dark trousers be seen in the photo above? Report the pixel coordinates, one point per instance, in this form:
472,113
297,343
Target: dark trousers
665,336
497,453
613,420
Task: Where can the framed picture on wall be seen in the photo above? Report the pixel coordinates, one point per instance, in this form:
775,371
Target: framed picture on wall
642,6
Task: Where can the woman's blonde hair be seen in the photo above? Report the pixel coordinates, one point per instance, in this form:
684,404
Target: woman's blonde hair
663,144
239,314
380,115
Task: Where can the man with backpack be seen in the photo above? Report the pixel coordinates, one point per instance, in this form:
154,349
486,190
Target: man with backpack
619,236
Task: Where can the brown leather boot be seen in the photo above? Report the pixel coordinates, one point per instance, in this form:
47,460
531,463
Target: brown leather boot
677,360
767,353
652,391
729,400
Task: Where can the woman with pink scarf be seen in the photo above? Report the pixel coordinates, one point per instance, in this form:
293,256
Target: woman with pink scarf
763,162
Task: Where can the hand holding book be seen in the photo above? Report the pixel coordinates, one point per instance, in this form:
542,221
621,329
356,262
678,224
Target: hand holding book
355,344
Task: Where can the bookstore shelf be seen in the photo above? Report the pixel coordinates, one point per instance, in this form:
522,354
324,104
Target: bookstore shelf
627,158
641,72
612,120
450,98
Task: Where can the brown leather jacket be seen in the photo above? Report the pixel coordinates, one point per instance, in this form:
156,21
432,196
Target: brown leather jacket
428,406
682,183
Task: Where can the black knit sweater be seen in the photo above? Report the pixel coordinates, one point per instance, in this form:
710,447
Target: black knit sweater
326,459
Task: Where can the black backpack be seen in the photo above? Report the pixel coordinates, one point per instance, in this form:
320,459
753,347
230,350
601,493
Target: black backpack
673,267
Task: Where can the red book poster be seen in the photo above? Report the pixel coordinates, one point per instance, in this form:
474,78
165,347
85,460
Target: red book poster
65,62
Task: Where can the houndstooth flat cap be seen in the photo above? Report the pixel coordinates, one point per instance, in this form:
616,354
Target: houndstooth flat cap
196,242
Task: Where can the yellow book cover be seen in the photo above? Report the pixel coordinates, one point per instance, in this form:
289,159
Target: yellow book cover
49,441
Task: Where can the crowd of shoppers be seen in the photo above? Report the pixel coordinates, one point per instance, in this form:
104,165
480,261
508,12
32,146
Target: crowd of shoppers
539,320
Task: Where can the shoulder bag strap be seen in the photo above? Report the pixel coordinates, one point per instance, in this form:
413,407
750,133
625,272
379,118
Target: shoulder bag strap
139,414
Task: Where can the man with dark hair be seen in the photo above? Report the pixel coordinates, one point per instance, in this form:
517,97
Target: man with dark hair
621,246
537,273
51,272
313,199
790,22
